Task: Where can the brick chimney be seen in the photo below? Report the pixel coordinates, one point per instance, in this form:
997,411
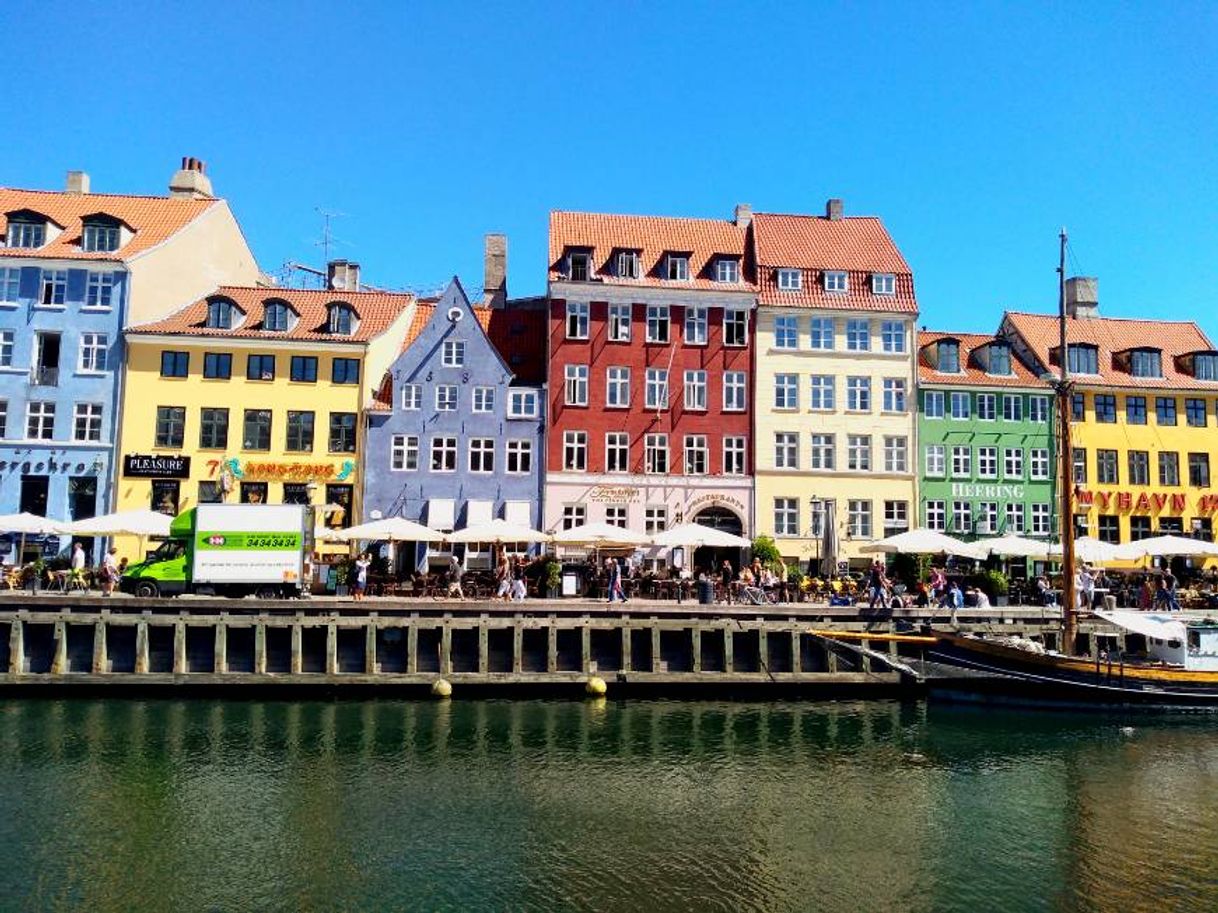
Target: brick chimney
494,270
1083,297
342,276
191,180
78,182
833,210
744,214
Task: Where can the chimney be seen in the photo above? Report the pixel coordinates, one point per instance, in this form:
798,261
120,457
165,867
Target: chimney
744,214
78,182
833,210
191,180
342,276
494,270
1083,297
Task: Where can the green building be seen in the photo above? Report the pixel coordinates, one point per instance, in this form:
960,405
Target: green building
987,459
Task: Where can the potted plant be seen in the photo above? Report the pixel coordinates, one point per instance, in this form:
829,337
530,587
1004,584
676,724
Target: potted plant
553,578
342,573
995,584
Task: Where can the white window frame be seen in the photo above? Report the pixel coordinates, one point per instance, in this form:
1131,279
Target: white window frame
858,452
816,334
1012,463
659,318
696,450
883,284
964,397
892,336
452,353
894,395
694,390
617,387
822,392
619,322
858,335
858,394
617,444
481,449
1042,519
1038,464
412,397
1038,409
696,330
786,518
518,400
44,414
987,461
790,280
735,327
935,515
574,515
56,280
91,356
935,462
404,453
986,522
445,446
575,385
837,281
91,413
676,268
1014,518
727,269
1012,407
518,453
656,393
896,453
655,519
584,261
735,456
735,391
484,400
786,392
934,412
962,517
99,291
859,521
629,264
823,451
655,454
786,332
786,450
987,407
615,515
575,451
577,319
962,461
10,285
446,397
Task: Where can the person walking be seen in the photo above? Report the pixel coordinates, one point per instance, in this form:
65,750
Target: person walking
454,577
727,577
361,577
110,572
1169,584
877,584
614,573
519,590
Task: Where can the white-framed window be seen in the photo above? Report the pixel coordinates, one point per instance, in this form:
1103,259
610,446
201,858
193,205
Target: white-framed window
727,269
735,327
484,399
1012,408
1041,525
786,450
697,455
987,407
519,456
617,451
574,515
99,237
962,516
883,284
960,405
823,331
936,516
1014,511
482,454
404,453
99,291
576,385
3,418
695,391
1012,463
575,451
695,325
655,520
656,388
619,322
412,397
935,463
987,517
25,234
836,280
987,462
1038,460
735,395
628,264
87,422
616,516
786,332
824,451
786,391
896,453
657,323
1038,409
786,516
617,387
444,454
453,354
735,459
93,348
896,517
10,284
40,421
54,287
962,461
446,397
577,320
894,394
579,265
823,392
522,404
932,404
892,336
678,268
655,453
858,519
858,335
858,452
790,280
858,394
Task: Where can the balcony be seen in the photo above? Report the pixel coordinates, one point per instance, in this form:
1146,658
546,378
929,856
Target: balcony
44,377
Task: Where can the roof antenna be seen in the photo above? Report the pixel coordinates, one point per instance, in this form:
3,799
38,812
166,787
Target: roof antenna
327,236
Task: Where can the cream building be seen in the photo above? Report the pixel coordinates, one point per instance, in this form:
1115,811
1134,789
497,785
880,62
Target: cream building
834,385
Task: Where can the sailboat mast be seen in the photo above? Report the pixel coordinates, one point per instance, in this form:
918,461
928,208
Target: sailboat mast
1065,464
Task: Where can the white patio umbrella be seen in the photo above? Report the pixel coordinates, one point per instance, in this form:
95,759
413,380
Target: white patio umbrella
498,531
1014,547
923,542
392,529
124,523
1088,549
30,525
601,535
1166,547
695,535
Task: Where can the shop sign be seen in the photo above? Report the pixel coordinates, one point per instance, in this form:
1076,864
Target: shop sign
155,466
711,499
278,470
1142,502
613,494
979,490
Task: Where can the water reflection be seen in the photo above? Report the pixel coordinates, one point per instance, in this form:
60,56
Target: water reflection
175,805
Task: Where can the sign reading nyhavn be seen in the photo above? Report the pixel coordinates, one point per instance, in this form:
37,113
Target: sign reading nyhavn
155,466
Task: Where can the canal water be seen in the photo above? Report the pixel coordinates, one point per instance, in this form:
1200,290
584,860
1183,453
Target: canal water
141,805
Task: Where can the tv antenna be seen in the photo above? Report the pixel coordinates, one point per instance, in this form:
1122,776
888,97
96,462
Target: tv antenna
328,239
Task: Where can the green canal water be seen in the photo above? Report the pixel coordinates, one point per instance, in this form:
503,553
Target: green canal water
141,805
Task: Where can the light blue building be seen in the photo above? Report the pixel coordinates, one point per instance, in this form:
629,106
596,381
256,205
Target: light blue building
455,438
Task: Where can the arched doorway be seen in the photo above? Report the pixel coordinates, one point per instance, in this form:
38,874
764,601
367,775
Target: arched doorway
724,520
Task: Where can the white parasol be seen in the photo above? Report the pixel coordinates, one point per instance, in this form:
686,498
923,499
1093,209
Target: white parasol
30,525
601,535
923,542
498,531
1014,547
1166,547
695,535
392,529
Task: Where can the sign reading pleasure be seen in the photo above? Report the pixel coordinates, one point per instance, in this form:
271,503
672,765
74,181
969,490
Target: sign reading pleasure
156,466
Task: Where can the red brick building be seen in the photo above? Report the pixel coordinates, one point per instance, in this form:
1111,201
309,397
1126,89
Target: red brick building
650,371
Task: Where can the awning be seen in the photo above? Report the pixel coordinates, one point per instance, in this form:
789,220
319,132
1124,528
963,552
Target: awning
441,513
518,513
479,513
1163,627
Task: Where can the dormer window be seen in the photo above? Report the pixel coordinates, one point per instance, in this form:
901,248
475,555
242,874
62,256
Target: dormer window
342,320
578,266
1083,359
1146,363
100,236
276,316
949,357
1205,367
221,314
790,280
999,358
678,267
25,233
883,284
628,266
836,281
727,269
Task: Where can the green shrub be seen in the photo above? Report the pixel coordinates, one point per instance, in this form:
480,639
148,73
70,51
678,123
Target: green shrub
765,551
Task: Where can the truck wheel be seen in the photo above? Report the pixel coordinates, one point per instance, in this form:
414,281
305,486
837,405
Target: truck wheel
266,592
146,589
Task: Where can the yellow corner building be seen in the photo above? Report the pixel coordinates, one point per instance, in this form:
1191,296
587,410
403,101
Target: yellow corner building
256,395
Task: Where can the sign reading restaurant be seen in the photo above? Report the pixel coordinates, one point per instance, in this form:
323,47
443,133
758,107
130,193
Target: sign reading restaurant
155,466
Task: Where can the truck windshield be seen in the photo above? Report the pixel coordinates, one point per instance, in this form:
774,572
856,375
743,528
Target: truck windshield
169,549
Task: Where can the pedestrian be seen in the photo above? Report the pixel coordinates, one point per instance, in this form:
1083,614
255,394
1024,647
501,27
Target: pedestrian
361,577
1169,584
877,584
727,576
503,576
110,572
955,600
519,590
454,577
614,573
938,584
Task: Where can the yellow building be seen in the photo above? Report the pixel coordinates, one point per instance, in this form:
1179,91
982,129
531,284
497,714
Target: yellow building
834,385
256,394
1144,409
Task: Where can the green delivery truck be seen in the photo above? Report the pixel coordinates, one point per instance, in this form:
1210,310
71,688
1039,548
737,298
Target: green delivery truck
227,550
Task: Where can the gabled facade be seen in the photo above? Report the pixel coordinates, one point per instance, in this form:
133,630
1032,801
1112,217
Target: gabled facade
455,437
1143,416
650,372
988,459
835,429
75,268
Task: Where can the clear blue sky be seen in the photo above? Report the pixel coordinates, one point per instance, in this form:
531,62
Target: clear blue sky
975,130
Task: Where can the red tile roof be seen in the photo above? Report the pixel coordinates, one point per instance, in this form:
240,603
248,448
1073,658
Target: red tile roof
973,373
151,219
376,312
859,245
1111,335
605,234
